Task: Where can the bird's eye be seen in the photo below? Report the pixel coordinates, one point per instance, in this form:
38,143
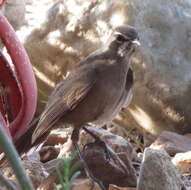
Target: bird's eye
120,38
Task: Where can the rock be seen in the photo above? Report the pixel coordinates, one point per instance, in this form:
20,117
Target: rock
46,183
99,165
9,10
119,165
172,143
82,184
14,184
188,135
139,138
116,142
14,11
48,153
162,89
158,172
35,170
79,183
187,181
114,187
183,162
57,136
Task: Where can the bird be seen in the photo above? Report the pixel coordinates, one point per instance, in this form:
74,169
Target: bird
95,90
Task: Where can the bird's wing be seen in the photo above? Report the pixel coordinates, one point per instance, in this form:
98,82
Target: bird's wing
128,88
65,97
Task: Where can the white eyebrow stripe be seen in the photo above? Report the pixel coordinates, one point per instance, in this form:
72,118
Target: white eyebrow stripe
136,42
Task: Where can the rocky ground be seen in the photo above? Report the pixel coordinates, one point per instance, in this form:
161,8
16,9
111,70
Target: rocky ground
165,164
146,154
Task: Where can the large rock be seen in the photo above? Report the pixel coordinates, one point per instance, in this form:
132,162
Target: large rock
73,29
158,172
119,164
116,142
162,89
172,143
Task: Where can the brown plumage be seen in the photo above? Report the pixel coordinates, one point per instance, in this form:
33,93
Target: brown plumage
95,90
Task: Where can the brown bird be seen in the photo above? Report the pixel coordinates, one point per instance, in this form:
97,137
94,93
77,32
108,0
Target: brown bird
95,90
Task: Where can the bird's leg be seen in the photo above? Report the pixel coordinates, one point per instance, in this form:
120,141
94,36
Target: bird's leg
75,138
99,141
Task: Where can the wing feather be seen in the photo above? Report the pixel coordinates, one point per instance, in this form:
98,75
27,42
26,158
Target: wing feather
128,88
65,97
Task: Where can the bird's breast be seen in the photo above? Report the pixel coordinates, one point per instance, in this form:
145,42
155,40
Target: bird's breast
109,87
101,101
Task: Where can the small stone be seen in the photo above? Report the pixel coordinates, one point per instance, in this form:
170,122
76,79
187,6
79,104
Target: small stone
172,143
82,184
57,136
158,172
48,153
183,161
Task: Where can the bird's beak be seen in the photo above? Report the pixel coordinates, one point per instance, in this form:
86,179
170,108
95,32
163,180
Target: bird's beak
136,42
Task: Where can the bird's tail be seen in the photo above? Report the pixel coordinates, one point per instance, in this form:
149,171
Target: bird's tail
23,144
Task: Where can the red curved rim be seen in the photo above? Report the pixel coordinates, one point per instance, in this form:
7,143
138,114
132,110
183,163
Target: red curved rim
25,76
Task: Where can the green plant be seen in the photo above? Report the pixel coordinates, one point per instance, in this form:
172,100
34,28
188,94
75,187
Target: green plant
10,152
69,174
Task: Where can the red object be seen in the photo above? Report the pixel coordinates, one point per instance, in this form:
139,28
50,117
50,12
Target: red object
10,91
2,2
22,93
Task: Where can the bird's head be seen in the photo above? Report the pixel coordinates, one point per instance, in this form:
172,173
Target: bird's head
124,40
